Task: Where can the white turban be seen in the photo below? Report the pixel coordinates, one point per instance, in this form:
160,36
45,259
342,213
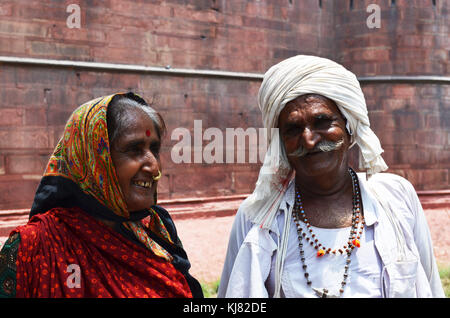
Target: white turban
284,82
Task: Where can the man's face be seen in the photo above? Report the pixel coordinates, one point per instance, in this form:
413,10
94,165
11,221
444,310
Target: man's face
313,132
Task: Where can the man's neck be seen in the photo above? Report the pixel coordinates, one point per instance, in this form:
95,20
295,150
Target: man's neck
327,200
328,185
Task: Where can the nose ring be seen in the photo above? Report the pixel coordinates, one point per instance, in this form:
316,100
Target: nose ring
157,177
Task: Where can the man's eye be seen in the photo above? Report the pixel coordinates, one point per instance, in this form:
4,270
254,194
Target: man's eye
323,122
292,130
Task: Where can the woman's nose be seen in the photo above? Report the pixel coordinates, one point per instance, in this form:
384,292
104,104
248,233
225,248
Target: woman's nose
150,163
310,138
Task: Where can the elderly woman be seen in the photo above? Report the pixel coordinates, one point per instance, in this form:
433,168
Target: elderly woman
95,229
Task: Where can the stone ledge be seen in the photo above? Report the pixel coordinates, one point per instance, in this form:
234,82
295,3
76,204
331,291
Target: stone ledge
435,199
185,208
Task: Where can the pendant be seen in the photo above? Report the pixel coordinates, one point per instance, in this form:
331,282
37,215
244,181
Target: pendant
323,293
320,253
356,243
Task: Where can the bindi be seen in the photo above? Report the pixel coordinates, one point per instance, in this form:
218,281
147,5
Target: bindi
147,133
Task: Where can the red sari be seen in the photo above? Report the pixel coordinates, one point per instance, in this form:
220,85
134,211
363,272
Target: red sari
68,253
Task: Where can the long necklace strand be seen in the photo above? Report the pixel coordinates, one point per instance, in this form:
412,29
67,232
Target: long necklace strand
353,240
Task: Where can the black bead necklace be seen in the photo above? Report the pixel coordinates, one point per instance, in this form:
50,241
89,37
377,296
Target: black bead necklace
353,240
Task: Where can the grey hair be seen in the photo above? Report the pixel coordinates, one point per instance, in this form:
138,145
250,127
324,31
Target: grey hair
117,119
322,146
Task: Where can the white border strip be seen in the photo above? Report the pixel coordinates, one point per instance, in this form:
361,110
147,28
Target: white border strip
405,78
129,67
204,73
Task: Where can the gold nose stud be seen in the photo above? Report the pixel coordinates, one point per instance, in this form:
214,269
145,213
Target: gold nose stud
158,176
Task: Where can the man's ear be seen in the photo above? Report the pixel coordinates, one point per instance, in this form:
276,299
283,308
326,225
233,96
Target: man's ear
349,132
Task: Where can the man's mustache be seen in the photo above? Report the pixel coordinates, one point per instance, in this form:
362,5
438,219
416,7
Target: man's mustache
322,146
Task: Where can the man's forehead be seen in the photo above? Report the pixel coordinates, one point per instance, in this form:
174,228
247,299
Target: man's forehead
313,99
312,103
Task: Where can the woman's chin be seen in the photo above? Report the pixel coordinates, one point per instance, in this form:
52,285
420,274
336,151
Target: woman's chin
141,205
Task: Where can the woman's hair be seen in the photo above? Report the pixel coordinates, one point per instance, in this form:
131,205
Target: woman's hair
117,118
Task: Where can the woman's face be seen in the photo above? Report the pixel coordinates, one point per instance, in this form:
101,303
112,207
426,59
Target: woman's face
135,154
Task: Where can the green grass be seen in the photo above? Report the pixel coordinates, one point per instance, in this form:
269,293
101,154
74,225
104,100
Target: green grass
444,272
210,288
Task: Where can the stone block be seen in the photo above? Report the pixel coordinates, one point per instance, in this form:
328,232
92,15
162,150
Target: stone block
26,164
11,117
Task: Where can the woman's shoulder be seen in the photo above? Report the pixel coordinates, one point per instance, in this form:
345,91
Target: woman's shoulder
40,223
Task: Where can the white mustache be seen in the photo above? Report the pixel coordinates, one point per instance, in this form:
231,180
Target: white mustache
322,146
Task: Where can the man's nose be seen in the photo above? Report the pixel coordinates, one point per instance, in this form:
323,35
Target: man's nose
310,138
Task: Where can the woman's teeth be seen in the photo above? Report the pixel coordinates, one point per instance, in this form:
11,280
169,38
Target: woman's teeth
143,184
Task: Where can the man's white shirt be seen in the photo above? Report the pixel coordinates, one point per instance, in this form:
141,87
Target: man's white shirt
375,268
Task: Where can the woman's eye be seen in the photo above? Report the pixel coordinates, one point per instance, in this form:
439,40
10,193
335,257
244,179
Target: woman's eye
134,149
155,149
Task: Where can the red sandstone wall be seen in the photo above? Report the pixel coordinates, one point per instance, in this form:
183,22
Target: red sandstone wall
234,35
413,38
35,123
412,120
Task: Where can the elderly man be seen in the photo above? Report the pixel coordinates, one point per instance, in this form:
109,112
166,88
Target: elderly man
313,227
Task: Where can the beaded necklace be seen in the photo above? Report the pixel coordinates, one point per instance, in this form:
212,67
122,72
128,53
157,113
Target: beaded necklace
353,240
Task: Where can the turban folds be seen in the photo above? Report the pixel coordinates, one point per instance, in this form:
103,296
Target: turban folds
284,82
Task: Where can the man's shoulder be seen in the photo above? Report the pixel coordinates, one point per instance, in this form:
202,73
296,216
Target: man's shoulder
391,182
387,176
397,191
242,218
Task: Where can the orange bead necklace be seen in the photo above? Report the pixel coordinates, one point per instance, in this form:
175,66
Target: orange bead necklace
310,237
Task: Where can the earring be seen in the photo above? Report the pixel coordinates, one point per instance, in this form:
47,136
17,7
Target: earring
158,176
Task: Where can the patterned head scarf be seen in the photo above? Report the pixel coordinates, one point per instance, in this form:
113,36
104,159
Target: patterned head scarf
83,156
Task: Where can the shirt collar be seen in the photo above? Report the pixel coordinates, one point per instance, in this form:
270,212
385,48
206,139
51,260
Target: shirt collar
289,197
370,207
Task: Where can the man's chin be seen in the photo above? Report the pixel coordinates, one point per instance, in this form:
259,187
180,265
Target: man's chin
314,164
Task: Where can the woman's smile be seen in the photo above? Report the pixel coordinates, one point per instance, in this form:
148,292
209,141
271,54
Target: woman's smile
143,184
